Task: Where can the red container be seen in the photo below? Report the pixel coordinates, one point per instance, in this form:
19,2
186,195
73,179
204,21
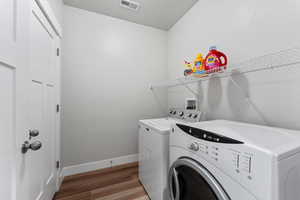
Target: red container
215,60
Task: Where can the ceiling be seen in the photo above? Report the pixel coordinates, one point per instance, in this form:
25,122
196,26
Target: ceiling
162,14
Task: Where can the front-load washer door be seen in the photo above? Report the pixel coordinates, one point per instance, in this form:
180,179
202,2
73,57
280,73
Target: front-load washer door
189,180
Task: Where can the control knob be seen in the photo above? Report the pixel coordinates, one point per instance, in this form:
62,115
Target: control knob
194,146
181,114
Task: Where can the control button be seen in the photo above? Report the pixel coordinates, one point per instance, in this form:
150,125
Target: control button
195,116
247,164
215,148
209,137
250,164
190,115
181,114
216,159
236,160
204,136
174,113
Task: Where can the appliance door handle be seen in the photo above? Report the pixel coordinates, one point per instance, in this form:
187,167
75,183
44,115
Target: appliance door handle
213,184
173,179
177,195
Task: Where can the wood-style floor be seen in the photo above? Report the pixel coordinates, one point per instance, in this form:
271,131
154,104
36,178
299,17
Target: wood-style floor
116,183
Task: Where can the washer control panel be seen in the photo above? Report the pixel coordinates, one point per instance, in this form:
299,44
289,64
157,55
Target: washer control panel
210,145
186,115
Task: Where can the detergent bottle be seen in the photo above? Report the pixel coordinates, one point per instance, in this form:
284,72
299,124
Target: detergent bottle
199,65
189,70
215,60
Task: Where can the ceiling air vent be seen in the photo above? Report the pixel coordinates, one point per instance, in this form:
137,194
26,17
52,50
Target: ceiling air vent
130,5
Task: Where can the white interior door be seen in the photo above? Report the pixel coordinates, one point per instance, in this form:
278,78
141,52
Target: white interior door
42,164
7,100
29,93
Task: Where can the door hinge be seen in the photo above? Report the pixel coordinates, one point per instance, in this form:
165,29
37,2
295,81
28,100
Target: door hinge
57,164
57,108
57,51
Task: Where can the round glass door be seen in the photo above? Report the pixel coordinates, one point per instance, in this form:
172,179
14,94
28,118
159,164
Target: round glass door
188,180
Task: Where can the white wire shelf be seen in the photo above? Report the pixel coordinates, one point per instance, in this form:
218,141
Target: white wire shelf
280,59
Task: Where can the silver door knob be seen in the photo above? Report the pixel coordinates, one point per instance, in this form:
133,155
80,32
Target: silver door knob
33,146
33,133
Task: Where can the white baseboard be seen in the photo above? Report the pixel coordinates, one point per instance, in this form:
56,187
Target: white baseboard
91,166
48,191
60,179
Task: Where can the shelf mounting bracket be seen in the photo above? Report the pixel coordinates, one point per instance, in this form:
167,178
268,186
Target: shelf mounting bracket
188,88
249,101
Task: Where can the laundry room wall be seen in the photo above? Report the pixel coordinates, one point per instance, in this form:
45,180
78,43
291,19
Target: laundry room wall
108,66
243,30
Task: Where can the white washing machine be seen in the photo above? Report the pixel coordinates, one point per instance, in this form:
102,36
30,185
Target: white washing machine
154,150
223,160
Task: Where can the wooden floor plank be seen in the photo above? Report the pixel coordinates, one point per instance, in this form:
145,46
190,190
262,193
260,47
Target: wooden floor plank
100,172
142,198
119,187
116,183
139,191
89,178
79,196
97,182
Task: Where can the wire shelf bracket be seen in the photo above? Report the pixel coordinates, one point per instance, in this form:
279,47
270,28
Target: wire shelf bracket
189,88
249,101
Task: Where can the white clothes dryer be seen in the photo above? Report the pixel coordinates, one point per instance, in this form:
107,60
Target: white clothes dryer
224,160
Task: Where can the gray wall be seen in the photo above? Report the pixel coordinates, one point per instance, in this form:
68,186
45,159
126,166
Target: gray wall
243,30
108,65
